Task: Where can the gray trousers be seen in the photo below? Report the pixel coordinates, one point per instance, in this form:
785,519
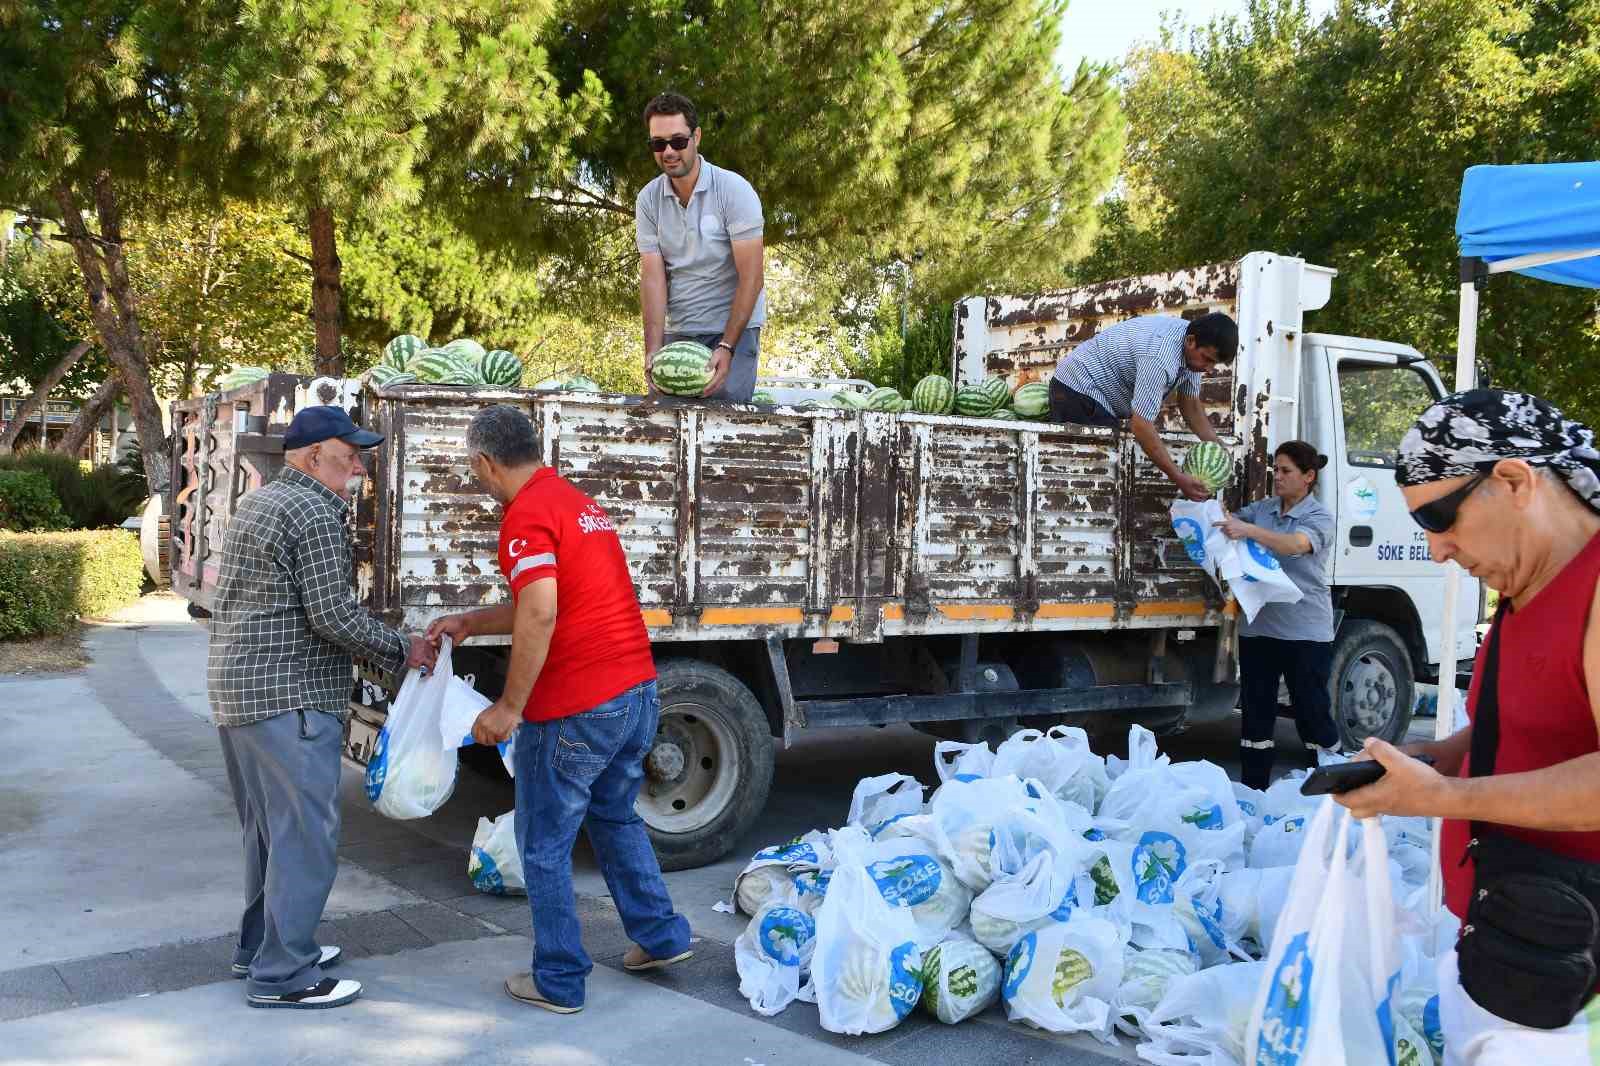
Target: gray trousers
285,777
741,382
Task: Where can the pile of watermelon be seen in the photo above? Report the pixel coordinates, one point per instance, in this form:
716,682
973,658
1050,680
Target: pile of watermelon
935,395
407,360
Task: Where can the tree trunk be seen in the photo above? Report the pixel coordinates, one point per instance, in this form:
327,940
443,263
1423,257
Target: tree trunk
326,293
116,315
89,416
32,404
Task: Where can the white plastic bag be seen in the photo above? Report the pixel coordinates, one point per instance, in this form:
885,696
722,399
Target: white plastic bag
412,771
1196,527
910,876
1278,842
1089,782
772,870
1202,1019
866,970
877,801
965,813
773,954
1146,976
1029,753
495,864
953,760
960,979
1260,579
1062,978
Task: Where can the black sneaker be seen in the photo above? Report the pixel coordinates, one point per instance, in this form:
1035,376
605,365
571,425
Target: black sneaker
328,992
330,957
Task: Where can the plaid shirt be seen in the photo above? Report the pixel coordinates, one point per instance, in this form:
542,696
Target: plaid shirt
285,626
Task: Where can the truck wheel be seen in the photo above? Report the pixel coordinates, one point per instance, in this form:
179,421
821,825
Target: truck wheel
1370,684
707,777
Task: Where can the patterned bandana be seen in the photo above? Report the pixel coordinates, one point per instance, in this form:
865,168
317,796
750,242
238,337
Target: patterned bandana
1469,431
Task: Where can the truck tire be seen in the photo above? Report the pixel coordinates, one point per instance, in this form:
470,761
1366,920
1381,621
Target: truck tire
707,778
1370,683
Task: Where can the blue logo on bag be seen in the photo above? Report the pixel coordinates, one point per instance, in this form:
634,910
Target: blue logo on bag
1386,1015
378,766
1068,904
1211,921
1192,537
1247,808
1018,963
813,883
1205,817
1265,559
1432,1031
906,880
486,875
784,934
886,823
1287,1014
965,777
793,851
1158,861
1093,834
905,982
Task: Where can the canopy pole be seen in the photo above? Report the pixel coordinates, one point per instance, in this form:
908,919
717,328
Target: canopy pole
1473,277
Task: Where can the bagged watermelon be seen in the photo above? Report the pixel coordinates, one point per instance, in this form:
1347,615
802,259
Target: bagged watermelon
959,979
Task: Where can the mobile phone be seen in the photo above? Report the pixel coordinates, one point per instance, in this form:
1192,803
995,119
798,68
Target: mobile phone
1347,776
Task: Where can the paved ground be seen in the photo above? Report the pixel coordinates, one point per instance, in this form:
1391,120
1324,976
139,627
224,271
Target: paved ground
120,886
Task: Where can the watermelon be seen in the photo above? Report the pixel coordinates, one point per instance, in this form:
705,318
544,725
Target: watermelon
850,400
1211,463
1031,400
934,395
762,396
996,389
383,374
468,349
682,368
975,401
579,383
461,375
433,365
1005,414
500,367
239,377
400,350
1072,969
883,398
398,379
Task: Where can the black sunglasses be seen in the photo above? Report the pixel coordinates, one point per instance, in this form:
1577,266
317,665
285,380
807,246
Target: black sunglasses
1439,515
679,142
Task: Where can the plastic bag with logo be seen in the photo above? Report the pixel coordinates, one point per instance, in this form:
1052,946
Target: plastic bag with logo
773,869
412,771
1201,1021
1062,978
965,813
960,979
1278,842
773,954
953,760
866,970
878,801
1089,782
1029,753
1260,579
910,875
1207,546
1146,976
495,864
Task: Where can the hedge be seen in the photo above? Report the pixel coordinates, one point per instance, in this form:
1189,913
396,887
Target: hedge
49,579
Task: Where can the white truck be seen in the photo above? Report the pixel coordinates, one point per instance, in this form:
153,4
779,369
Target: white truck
802,569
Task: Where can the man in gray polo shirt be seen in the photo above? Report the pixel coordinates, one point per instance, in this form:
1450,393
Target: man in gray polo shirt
700,253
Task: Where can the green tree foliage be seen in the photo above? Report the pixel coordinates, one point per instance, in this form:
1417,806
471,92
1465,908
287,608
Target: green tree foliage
873,132
41,315
1344,141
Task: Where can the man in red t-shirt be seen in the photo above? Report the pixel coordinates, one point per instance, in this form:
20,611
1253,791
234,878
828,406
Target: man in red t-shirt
580,695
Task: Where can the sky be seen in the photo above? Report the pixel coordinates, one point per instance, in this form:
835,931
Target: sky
1103,30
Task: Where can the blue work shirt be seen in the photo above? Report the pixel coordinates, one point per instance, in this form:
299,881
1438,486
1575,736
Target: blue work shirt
1312,617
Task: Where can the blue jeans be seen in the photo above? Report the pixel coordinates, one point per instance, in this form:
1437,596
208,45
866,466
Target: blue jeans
586,770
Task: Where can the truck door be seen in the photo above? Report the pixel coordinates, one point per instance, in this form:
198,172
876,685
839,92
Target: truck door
1377,396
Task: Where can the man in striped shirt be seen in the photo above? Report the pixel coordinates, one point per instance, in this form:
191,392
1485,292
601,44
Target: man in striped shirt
1127,371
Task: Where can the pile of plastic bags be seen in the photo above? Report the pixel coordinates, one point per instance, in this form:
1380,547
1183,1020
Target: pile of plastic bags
1087,895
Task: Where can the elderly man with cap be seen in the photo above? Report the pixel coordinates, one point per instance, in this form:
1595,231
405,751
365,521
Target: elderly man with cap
285,631
1509,488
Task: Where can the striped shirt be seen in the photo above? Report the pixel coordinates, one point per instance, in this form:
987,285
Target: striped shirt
285,625
1129,368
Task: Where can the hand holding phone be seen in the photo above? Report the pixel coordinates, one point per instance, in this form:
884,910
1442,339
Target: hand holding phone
1348,776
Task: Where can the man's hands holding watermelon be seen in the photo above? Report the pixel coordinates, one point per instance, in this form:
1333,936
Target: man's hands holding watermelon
721,363
1192,487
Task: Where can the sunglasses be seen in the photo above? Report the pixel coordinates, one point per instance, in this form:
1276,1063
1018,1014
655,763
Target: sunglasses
678,141
1439,515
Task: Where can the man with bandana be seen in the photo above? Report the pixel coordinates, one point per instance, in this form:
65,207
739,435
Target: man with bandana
1509,488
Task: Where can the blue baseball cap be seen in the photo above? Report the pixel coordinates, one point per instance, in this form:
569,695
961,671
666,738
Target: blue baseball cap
313,425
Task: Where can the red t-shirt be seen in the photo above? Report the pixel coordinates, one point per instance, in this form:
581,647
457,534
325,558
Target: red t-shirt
1545,717
600,648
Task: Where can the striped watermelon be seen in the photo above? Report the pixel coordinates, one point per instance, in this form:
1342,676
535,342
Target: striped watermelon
468,349
579,383
400,378
239,377
883,398
975,401
433,365
682,368
461,375
1006,414
1072,969
850,400
1032,400
400,350
996,389
500,367
934,395
383,374
1211,463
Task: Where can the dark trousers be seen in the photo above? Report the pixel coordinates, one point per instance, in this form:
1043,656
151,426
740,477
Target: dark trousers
1305,665
1069,406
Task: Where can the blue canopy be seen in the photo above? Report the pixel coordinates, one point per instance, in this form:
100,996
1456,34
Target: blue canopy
1536,207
